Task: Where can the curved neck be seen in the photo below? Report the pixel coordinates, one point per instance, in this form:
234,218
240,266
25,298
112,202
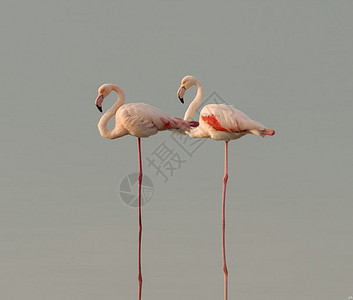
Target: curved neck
195,103
103,122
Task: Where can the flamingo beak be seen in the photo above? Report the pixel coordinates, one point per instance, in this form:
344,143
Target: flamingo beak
181,93
99,101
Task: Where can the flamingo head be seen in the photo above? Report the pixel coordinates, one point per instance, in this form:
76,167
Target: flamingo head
186,83
103,92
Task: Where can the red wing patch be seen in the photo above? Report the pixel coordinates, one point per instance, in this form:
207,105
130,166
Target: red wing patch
212,121
166,123
170,124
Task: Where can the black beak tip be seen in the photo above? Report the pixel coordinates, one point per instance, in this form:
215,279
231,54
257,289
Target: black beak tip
99,108
181,100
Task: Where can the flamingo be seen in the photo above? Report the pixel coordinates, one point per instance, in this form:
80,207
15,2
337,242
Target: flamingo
219,122
140,120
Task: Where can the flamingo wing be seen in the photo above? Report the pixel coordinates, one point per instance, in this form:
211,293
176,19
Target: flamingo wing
222,117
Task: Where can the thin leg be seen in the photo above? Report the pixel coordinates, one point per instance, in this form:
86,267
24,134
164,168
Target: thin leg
225,179
139,278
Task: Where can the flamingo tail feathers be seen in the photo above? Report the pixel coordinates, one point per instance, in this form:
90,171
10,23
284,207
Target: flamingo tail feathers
193,123
267,131
182,126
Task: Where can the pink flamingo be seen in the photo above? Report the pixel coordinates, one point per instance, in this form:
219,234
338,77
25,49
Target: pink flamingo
140,120
219,122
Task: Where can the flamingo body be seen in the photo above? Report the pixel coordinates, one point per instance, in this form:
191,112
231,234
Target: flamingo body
143,120
224,122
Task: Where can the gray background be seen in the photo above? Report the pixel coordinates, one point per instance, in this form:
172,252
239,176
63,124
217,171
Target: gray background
64,231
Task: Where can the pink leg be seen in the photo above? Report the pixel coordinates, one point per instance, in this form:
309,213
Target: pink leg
225,179
139,278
